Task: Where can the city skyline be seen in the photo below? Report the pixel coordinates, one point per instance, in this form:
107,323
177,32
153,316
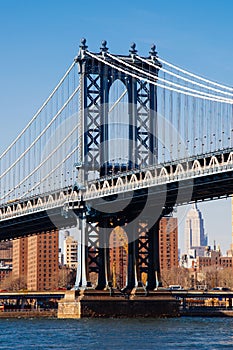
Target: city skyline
39,40
217,221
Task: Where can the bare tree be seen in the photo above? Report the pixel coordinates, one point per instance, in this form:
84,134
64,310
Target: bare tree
225,278
66,277
14,284
176,275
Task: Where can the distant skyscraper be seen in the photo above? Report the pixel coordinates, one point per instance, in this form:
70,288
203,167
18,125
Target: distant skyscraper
194,230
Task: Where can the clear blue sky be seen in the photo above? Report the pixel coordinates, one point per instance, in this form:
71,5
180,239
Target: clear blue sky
39,39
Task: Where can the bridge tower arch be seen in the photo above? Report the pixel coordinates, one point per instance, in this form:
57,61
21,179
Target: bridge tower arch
97,76
98,73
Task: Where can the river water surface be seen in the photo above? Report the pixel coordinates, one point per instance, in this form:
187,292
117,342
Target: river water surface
174,333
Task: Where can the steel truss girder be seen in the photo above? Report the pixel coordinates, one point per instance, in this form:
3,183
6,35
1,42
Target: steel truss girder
92,237
146,141
92,120
143,248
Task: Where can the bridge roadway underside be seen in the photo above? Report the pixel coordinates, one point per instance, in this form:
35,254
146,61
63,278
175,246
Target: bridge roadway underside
34,223
159,197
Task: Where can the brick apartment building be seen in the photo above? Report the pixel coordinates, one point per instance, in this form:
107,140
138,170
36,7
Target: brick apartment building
35,259
168,243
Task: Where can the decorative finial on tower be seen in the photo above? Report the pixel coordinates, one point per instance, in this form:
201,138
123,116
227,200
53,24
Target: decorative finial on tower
133,50
153,51
104,47
83,45
82,49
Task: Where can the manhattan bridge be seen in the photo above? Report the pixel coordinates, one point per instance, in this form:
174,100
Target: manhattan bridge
120,142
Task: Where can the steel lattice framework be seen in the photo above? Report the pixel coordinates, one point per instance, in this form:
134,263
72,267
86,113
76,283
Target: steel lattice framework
96,80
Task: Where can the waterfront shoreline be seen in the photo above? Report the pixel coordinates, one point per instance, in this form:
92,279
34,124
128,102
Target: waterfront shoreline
206,313
53,314
48,313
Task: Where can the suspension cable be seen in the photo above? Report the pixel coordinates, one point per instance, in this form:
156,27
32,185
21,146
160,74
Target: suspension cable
53,152
154,82
39,111
42,163
55,168
41,133
194,75
166,81
117,101
183,78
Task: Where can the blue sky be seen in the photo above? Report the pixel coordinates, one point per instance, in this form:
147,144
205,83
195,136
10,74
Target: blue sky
39,40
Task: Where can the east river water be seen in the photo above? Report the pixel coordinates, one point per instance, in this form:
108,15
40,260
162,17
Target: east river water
105,334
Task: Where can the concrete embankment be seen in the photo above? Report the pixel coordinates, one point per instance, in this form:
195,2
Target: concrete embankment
93,303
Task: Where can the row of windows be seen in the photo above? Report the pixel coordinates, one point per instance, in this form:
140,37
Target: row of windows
168,256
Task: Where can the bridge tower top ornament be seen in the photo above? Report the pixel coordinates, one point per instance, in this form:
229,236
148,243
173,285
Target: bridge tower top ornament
104,49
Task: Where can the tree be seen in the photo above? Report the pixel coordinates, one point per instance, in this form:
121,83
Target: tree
175,275
14,283
66,277
210,276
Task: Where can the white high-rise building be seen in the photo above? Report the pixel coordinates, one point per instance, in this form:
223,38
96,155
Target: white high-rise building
195,237
70,251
